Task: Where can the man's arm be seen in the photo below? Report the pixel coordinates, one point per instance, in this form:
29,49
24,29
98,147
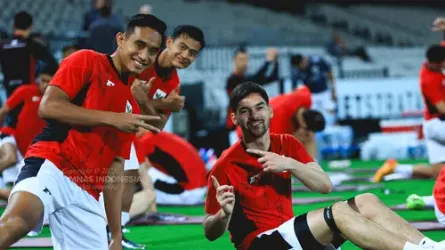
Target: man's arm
269,71
216,225
311,175
154,107
218,196
8,156
56,105
16,99
113,191
440,106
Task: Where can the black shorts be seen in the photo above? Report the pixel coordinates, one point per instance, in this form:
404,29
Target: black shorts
292,234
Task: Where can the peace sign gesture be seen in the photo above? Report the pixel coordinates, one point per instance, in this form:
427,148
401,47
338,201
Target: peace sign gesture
271,162
225,196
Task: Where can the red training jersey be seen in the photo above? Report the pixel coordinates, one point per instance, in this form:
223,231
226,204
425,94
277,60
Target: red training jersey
29,123
432,85
284,108
174,156
161,88
263,200
439,191
84,154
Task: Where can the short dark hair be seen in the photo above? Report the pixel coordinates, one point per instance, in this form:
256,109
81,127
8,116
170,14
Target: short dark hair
296,59
192,31
435,53
49,69
245,89
314,120
22,20
68,47
241,49
146,20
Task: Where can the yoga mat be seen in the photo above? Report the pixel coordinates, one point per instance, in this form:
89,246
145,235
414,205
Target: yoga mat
350,187
33,242
427,225
402,207
298,201
166,219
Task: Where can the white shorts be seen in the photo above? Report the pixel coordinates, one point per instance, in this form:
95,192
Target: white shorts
434,133
10,173
439,215
133,162
188,197
76,219
323,101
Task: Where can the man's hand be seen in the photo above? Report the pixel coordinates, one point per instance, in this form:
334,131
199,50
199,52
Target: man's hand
174,101
439,24
130,123
271,162
271,54
225,196
140,89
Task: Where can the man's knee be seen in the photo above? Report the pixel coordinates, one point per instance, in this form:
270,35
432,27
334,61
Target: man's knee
436,168
335,215
365,204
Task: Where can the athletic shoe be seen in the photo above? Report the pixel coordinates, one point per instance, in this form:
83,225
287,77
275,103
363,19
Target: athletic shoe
386,169
415,202
128,244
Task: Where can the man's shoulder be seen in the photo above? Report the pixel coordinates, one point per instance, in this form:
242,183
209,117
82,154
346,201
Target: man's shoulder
228,155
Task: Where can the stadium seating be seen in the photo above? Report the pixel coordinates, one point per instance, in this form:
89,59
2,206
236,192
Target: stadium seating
381,21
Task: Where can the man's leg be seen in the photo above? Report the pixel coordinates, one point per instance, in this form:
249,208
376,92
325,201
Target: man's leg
370,207
131,175
354,227
142,203
129,187
22,214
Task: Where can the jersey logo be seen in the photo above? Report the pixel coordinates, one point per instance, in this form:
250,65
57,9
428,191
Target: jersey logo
443,83
35,98
128,108
46,190
110,83
159,94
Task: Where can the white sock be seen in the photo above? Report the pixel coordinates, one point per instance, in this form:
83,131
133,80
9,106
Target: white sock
425,242
404,169
411,246
125,218
429,201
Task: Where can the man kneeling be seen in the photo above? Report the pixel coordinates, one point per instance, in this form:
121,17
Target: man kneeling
250,194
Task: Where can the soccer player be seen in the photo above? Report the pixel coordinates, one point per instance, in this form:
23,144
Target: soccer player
182,48
88,108
292,115
267,73
250,193
28,126
316,73
433,91
25,53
